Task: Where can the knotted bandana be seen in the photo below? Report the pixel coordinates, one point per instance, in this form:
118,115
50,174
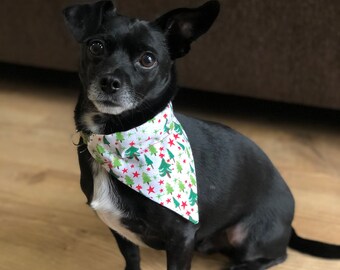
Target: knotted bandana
154,159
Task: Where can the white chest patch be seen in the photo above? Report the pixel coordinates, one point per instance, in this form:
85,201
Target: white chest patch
105,204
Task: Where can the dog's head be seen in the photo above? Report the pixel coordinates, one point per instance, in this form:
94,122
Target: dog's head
127,63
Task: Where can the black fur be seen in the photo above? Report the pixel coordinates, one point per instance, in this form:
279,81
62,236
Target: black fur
250,215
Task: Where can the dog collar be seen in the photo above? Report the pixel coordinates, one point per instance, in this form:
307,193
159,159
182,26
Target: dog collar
154,159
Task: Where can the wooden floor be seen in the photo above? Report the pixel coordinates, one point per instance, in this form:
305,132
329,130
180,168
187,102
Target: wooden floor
45,224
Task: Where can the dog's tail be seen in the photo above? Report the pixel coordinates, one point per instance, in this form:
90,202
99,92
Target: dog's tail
314,248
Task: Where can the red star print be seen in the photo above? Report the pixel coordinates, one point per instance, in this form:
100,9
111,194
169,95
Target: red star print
190,185
151,189
184,204
132,166
99,139
148,169
139,187
165,115
110,165
135,174
124,170
188,213
161,182
192,209
179,196
149,138
162,203
146,150
176,136
171,142
161,155
161,190
168,201
159,120
161,148
184,161
132,143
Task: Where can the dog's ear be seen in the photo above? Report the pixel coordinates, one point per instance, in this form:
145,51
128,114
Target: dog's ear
84,20
182,26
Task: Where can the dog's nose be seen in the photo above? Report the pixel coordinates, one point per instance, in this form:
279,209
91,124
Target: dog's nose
110,84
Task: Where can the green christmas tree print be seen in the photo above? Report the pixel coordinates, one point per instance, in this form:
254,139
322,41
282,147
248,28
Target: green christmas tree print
99,159
100,149
152,120
132,152
164,168
188,152
119,136
171,155
129,181
192,220
181,186
148,161
193,180
166,128
153,150
118,153
192,169
169,188
181,145
179,167
146,178
116,162
192,197
159,196
178,129
106,141
176,203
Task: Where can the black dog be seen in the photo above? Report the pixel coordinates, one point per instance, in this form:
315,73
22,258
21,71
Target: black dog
128,74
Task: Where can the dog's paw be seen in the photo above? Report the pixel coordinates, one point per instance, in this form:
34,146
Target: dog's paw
133,267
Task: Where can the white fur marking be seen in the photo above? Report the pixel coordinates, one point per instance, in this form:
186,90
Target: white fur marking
87,120
112,109
105,203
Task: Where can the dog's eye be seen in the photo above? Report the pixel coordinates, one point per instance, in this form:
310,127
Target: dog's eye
96,48
148,59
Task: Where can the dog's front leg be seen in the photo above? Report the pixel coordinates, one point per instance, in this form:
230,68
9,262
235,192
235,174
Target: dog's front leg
130,252
179,253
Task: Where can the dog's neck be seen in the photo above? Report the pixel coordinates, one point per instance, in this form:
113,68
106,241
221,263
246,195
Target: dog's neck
89,120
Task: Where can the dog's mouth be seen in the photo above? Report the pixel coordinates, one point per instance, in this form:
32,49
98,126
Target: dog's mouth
108,103
112,104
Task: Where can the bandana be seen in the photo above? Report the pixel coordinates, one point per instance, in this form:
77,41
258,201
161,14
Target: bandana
154,159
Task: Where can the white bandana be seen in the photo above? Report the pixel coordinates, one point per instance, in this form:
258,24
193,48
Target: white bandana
154,159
